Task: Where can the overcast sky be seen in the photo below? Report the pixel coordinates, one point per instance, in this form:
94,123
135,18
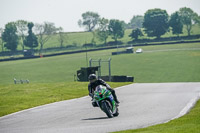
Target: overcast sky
66,13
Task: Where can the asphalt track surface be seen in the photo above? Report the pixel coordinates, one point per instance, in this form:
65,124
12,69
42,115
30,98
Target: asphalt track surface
141,105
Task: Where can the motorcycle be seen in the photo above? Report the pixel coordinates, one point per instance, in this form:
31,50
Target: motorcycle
105,101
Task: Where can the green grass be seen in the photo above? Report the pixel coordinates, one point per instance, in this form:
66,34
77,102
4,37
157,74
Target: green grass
23,96
168,66
189,123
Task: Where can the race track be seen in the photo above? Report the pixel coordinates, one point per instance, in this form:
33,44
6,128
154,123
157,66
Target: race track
141,105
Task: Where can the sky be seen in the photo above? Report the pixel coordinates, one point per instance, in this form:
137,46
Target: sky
66,13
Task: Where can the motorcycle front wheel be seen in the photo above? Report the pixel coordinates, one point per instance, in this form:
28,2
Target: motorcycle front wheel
105,107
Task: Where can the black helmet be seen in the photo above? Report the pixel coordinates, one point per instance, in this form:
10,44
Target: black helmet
92,77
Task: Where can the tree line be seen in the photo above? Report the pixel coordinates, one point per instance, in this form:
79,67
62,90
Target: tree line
22,31
155,23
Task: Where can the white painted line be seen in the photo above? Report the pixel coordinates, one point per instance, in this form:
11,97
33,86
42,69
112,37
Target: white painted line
188,107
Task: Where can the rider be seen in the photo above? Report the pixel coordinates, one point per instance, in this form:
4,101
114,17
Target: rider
94,82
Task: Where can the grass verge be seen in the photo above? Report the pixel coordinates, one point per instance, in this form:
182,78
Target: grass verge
23,96
189,123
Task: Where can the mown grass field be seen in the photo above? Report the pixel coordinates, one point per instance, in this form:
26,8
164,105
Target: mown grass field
189,123
182,65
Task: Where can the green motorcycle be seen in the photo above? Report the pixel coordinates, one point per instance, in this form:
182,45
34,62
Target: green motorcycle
105,101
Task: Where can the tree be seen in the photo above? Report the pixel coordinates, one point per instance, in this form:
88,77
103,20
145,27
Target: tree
89,20
136,22
1,41
22,30
31,39
44,32
93,37
188,17
102,31
198,20
61,36
156,22
124,24
116,29
176,23
10,37
136,33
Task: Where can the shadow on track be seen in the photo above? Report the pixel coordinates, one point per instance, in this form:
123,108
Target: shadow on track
99,118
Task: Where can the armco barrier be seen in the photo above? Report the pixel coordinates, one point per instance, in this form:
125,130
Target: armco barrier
116,78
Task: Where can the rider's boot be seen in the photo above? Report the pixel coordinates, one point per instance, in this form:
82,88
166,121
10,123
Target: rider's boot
115,97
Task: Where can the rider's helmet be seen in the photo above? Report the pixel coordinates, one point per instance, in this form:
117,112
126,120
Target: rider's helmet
92,78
